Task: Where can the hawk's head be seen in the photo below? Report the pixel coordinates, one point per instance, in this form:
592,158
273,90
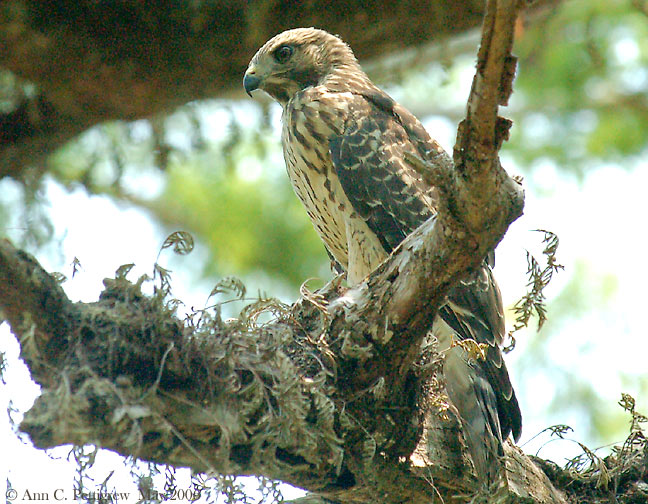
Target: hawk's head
295,60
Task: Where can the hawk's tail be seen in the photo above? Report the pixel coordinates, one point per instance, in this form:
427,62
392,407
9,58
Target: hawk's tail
473,396
479,386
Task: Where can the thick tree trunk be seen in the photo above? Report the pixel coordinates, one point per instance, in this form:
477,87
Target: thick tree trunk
340,394
335,396
95,61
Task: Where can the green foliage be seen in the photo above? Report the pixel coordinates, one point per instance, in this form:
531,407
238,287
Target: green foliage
582,87
580,99
534,300
561,352
230,192
247,225
587,288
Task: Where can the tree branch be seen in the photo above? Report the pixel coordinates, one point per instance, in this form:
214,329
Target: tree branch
233,398
93,62
337,395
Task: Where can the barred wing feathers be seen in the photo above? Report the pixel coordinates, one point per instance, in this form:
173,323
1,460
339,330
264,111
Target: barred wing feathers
369,160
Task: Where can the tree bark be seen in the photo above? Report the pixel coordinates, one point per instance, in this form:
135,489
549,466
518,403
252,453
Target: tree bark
340,394
334,396
92,62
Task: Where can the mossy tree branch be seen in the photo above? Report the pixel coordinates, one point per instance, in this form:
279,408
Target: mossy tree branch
336,395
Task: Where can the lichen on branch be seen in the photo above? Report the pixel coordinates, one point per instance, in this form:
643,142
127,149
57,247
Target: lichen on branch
334,394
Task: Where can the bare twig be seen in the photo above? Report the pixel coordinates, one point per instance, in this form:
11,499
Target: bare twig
249,399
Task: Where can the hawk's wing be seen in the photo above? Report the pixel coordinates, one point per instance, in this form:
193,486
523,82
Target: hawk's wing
369,159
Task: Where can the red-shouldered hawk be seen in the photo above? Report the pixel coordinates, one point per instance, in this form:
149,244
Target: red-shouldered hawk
344,143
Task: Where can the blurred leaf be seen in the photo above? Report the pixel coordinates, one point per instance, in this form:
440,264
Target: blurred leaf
618,134
583,72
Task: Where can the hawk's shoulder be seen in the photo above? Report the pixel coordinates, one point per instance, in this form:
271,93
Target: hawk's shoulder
369,158
314,115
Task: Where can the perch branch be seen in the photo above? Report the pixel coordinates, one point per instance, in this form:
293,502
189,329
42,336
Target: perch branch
330,396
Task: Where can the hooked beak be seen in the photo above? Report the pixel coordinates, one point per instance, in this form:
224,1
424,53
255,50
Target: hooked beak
251,82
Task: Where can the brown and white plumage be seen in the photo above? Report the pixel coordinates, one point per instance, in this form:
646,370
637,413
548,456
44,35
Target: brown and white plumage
344,143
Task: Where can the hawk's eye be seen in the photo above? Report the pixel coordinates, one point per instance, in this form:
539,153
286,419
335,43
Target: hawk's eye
283,53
